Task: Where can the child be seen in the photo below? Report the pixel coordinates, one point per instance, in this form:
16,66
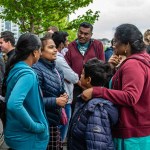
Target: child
90,127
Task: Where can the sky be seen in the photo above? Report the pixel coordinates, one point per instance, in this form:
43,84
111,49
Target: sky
116,12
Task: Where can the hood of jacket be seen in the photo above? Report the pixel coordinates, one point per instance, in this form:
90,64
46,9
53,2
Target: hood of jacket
107,105
19,69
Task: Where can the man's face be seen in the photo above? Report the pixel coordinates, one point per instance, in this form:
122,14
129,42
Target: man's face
4,45
84,35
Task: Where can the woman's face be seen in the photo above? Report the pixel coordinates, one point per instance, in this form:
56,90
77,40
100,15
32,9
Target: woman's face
49,51
119,48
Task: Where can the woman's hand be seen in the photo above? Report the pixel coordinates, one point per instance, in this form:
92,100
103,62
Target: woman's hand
87,94
65,95
114,60
62,101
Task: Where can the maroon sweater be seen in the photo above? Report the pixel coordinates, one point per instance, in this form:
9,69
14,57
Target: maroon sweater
131,92
76,60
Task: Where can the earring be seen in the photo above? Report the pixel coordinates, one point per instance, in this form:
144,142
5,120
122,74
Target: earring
125,51
35,56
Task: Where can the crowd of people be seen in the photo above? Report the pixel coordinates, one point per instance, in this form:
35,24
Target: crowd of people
76,94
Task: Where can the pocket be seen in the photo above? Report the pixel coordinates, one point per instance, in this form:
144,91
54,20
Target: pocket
41,140
42,136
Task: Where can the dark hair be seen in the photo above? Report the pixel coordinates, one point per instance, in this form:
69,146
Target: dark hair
128,33
99,71
112,42
64,34
148,49
26,44
44,40
8,36
86,25
58,38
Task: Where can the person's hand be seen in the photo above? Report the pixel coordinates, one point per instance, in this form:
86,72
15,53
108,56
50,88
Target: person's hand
87,94
65,95
61,101
114,60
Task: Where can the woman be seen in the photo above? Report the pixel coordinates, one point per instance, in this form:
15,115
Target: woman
130,90
26,125
52,85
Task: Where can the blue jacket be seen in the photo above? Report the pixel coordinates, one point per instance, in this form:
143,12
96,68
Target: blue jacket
90,127
51,88
26,124
108,53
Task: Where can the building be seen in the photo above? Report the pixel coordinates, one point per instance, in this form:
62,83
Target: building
9,26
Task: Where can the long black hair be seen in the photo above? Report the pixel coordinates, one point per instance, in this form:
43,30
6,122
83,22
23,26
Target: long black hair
26,44
129,33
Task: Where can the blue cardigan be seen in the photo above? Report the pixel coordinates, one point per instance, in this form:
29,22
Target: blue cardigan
26,124
90,127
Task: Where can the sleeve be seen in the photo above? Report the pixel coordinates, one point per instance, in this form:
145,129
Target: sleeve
63,84
68,56
16,100
69,74
132,86
49,103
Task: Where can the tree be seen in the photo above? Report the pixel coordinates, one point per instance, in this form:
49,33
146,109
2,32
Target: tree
36,16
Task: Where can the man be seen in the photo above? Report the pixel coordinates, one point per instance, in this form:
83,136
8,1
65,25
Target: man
147,40
81,50
7,43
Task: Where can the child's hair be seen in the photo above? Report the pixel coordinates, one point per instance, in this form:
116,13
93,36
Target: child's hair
99,71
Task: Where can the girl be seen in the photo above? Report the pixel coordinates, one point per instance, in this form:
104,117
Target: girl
26,125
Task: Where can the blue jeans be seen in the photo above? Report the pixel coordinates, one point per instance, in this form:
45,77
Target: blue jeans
64,128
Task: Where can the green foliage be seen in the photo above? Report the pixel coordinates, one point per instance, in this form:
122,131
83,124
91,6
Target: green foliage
36,16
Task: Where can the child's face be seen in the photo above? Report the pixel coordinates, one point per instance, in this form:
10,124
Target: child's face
85,82
49,52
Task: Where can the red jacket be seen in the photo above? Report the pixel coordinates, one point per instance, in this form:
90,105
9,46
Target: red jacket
76,60
131,92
